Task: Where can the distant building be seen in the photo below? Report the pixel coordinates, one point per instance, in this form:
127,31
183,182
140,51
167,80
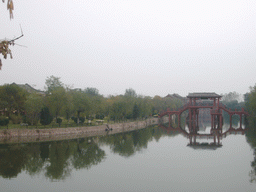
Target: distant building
29,88
176,96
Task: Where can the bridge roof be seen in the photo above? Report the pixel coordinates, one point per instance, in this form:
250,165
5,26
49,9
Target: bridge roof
203,95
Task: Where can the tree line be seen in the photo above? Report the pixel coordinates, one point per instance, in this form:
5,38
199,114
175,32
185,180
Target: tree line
60,103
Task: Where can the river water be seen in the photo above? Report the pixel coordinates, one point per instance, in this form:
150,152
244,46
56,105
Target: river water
150,159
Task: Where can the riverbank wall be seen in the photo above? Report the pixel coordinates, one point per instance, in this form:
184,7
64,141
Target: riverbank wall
40,135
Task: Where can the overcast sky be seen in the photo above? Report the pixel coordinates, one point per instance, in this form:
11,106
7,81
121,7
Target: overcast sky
155,47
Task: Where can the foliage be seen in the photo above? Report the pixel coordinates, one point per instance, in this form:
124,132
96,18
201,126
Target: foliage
33,106
12,98
5,44
4,121
99,116
59,121
251,139
68,108
231,96
16,118
56,97
136,111
81,102
130,93
91,91
56,101
10,7
52,83
251,101
81,119
45,116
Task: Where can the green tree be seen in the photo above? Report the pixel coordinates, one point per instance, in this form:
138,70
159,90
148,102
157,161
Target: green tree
119,109
130,93
12,98
96,101
81,102
68,107
91,91
56,97
4,121
52,83
231,96
33,106
136,111
45,116
251,101
56,100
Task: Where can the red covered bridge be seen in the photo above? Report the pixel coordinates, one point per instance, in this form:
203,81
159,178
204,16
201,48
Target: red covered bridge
204,100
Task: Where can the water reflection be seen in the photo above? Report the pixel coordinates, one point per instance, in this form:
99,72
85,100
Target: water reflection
199,133
56,160
251,139
196,123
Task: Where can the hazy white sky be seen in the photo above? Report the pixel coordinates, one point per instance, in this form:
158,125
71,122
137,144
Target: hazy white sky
155,47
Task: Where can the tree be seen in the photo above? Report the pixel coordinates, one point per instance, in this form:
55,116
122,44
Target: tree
145,104
231,96
33,107
136,111
4,121
45,116
56,97
68,107
56,101
12,98
52,83
130,93
118,109
91,91
251,101
81,102
96,100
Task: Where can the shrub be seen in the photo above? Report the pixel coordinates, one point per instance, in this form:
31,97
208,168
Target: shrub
81,119
59,121
45,116
100,116
16,119
4,121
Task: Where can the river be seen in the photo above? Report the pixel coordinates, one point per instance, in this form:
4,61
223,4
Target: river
150,159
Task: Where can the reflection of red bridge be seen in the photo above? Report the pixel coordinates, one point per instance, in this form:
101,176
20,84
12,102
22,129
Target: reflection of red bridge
204,100
215,134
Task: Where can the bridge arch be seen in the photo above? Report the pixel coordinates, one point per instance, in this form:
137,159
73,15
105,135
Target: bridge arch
196,101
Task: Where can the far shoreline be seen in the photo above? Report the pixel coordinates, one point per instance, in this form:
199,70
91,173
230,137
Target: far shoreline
12,136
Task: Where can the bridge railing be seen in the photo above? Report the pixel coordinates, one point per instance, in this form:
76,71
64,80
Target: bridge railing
203,104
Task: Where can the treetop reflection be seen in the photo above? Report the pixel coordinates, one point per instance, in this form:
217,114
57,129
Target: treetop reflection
56,160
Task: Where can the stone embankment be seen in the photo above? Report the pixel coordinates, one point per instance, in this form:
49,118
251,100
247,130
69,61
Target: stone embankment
36,135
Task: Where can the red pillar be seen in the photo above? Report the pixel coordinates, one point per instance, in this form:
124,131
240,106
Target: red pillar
190,111
197,116
240,120
169,120
230,120
212,121
178,120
